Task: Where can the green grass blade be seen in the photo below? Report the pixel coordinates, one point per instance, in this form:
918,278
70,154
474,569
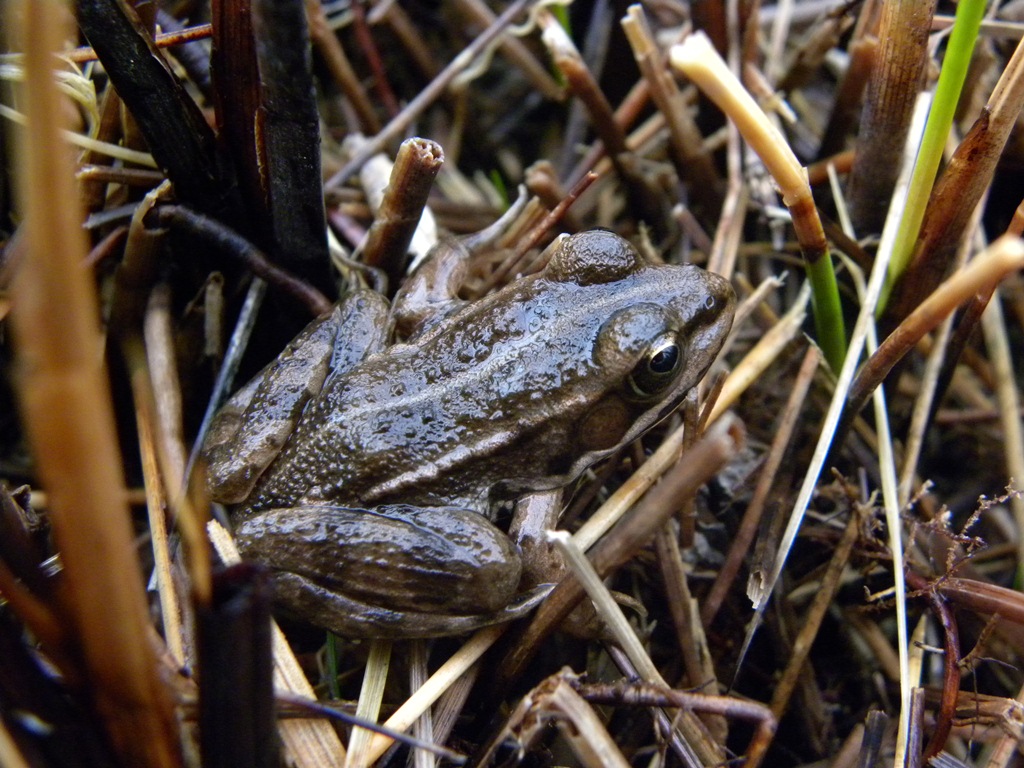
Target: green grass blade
947,93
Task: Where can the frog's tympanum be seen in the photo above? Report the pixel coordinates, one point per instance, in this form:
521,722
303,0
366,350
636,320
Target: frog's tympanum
363,473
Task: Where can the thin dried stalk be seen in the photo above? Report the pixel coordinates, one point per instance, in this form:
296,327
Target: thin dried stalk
998,345
863,53
380,83
584,86
158,332
85,54
338,65
402,206
424,727
69,418
427,96
439,682
631,693
1003,257
371,694
128,176
94,193
692,160
801,649
729,232
514,50
752,517
156,503
690,636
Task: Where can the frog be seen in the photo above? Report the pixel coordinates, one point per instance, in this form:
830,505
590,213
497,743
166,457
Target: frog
363,469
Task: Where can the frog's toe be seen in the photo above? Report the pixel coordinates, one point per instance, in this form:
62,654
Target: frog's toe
348,617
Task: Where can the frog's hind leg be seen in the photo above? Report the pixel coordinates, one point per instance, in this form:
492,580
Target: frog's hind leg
250,430
346,617
393,571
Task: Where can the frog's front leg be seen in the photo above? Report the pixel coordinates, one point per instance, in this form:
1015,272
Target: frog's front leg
250,430
430,292
396,571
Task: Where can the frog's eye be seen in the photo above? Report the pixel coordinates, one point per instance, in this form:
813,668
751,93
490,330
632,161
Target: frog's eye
657,369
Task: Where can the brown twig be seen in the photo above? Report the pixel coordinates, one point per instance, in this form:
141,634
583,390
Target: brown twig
340,67
94,192
372,55
642,694
892,90
230,242
645,204
689,632
536,234
162,40
950,664
387,243
863,52
1004,256
136,177
830,583
692,160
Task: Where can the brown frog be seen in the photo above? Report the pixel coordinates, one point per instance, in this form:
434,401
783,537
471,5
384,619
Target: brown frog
363,472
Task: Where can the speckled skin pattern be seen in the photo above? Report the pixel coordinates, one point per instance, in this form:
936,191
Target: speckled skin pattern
517,392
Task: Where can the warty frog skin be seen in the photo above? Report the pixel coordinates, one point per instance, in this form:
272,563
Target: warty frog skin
362,472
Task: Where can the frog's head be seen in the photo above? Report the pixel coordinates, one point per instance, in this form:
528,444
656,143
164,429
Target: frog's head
657,332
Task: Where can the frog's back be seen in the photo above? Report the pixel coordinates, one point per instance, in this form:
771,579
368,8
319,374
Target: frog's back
516,392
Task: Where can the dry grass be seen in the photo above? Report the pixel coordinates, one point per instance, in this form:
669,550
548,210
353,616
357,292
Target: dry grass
136,305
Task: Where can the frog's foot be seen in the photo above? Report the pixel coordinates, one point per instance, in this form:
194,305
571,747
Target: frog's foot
393,571
351,618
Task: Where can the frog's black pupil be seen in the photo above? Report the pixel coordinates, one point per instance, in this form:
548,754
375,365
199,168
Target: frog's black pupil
664,360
